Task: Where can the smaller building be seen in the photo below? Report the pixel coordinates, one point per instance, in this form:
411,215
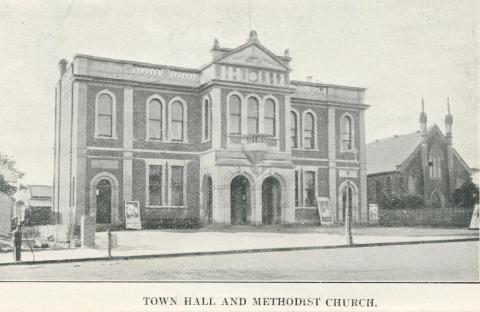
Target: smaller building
6,213
422,163
34,204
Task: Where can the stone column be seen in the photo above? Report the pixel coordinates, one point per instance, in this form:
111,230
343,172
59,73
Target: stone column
256,202
332,166
216,107
80,96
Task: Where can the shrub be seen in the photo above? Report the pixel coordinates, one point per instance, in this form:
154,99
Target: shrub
393,201
414,201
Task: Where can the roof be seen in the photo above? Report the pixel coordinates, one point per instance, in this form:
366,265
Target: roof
40,190
386,154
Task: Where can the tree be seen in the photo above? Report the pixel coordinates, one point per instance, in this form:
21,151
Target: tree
9,174
467,194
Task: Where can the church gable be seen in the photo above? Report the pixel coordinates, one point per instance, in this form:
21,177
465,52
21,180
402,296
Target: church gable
253,55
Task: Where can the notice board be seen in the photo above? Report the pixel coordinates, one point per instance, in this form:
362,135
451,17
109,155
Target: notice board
324,210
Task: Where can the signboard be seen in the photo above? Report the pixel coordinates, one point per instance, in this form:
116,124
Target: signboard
132,215
475,223
373,213
324,210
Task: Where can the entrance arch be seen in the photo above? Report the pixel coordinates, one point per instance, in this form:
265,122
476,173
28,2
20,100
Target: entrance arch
348,199
271,201
207,194
240,200
104,199
436,199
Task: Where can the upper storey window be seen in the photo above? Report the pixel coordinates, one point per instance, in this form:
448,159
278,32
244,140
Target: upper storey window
207,121
252,125
155,124
177,121
308,131
105,115
235,118
294,129
346,133
435,167
269,125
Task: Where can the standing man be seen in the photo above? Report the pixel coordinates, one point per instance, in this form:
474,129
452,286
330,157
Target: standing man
17,243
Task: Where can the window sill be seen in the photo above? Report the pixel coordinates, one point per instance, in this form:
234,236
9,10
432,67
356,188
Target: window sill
176,142
164,207
105,138
309,208
349,151
155,140
206,141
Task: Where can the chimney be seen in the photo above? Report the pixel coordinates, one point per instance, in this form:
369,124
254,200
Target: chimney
62,67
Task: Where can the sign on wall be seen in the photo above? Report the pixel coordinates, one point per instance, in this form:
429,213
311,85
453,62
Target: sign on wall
324,210
132,215
475,223
373,213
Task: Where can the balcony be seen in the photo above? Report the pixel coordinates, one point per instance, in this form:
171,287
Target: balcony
253,145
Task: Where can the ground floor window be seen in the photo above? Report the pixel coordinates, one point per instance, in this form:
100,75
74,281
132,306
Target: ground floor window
309,188
166,182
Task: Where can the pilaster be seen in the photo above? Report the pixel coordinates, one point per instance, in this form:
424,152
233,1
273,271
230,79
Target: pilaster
332,166
362,211
127,143
216,118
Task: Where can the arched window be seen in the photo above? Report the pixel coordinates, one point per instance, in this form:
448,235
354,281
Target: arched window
435,166
308,133
176,121
105,118
294,129
269,125
235,112
388,185
155,124
439,167
207,122
252,120
347,133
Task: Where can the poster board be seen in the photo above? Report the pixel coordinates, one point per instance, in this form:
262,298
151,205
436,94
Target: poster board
373,213
324,210
475,222
132,215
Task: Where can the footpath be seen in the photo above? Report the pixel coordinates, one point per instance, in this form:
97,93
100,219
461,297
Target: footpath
175,243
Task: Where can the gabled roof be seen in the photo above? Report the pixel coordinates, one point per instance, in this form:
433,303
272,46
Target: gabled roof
386,154
40,191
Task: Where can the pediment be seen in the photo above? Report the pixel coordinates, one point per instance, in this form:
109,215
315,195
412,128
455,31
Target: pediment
253,55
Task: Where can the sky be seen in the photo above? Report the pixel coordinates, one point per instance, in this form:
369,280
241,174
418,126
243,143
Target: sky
400,50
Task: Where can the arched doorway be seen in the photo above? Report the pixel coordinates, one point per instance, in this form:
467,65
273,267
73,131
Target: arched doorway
348,201
104,201
271,201
207,200
435,200
240,200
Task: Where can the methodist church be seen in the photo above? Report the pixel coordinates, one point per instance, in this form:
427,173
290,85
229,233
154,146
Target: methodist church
422,163
233,142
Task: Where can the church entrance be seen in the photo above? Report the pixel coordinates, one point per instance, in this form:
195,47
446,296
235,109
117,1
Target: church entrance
104,202
271,209
240,200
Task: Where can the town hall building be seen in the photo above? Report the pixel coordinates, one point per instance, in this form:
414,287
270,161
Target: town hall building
234,142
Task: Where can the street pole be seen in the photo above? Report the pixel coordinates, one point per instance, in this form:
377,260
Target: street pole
348,226
109,243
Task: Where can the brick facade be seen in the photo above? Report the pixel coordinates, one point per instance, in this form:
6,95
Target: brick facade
132,166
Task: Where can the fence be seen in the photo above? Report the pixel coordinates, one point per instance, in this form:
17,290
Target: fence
435,217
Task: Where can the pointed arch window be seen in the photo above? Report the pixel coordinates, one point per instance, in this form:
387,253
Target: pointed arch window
308,131
105,118
155,121
177,121
269,123
294,129
252,114
347,133
235,112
